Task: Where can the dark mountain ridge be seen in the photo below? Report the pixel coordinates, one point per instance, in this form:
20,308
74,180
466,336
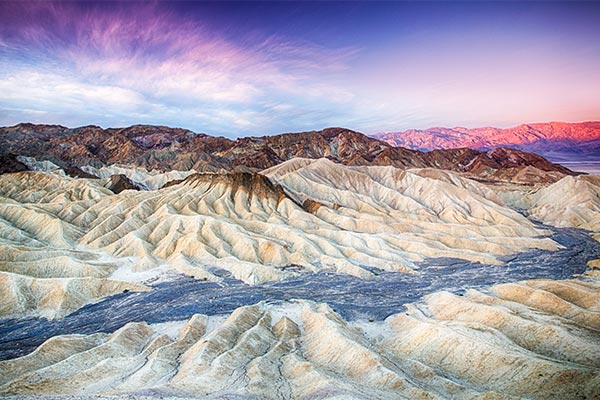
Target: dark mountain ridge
164,148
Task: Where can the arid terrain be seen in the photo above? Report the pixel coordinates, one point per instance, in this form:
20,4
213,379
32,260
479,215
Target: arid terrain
158,262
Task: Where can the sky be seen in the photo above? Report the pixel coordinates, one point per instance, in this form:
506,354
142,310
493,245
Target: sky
258,68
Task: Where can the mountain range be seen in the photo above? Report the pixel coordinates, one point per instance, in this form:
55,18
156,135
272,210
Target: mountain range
167,149
558,141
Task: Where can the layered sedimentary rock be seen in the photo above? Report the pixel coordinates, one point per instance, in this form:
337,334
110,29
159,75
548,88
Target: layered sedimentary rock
311,214
172,149
533,339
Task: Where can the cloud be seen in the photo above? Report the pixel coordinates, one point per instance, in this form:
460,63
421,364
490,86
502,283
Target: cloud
185,65
99,59
54,92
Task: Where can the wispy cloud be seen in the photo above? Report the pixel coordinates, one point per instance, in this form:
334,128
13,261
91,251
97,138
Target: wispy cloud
390,66
76,60
56,91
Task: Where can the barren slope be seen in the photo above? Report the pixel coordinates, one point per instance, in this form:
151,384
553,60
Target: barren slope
324,216
570,202
167,149
534,339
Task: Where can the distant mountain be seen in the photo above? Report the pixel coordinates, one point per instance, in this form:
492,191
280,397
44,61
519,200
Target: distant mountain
165,149
555,140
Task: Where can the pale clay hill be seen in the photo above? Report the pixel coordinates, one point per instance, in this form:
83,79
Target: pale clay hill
532,339
313,214
570,202
66,242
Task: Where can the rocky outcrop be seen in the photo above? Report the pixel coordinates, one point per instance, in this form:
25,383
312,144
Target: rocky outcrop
140,177
9,163
119,183
253,185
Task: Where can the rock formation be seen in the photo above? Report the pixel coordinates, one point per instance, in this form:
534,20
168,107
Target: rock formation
570,202
88,213
313,214
172,149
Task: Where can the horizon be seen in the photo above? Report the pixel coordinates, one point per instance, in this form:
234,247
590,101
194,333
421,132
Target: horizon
247,69
294,132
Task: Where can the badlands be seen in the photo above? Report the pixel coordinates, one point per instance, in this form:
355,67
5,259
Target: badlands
335,272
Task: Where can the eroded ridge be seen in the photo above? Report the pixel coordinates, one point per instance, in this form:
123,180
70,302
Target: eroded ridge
67,242
532,339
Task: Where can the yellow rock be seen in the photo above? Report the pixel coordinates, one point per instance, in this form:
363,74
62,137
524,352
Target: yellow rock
594,264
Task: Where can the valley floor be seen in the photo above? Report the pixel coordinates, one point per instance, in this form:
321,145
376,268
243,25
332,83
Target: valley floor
353,298
589,167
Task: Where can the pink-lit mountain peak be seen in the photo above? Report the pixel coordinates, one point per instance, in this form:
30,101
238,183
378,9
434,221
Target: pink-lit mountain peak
550,138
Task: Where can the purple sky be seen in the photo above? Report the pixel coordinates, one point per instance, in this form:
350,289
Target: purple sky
238,69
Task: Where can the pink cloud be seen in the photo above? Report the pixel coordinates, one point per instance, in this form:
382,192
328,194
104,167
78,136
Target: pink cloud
149,49
141,63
